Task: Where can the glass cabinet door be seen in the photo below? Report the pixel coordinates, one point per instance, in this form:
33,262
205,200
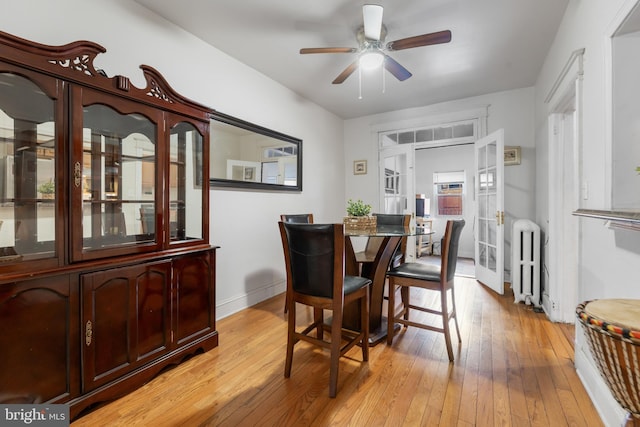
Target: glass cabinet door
116,178
186,180
28,214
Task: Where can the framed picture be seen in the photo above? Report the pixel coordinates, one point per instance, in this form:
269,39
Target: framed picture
249,174
360,167
511,156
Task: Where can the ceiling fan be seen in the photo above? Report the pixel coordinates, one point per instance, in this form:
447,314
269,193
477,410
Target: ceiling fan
371,50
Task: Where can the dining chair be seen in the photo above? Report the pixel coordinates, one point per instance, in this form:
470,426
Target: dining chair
306,218
314,259
439,278
297,218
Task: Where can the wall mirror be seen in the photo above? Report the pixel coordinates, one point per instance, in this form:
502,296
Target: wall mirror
245,155
626,122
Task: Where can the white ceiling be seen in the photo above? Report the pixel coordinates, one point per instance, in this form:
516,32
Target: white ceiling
496,45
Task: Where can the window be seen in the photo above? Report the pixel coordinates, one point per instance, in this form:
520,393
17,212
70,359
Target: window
449,133
449,190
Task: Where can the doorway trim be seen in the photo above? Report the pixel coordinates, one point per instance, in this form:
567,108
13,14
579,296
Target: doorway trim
559,297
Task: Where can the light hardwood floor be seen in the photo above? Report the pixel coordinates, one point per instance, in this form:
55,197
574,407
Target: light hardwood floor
514,368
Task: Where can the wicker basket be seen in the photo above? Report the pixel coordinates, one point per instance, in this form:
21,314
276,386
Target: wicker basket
615,346
360,222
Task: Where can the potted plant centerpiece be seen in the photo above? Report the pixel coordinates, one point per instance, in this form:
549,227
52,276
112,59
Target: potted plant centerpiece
47,190
359,217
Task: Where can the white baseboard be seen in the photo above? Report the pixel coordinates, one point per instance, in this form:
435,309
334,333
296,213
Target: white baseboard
609,410
233,305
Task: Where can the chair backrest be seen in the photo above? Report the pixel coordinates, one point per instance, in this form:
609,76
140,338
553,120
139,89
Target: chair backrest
450,244
314,257
393,219
148,219
297,218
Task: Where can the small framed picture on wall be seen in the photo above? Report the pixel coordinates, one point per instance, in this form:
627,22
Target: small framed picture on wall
511,156
360,167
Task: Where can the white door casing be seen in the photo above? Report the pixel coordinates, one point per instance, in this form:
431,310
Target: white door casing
560,296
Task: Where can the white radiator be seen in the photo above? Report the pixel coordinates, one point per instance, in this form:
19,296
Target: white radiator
525,262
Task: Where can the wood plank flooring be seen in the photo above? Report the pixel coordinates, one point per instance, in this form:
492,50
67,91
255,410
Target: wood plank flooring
513,368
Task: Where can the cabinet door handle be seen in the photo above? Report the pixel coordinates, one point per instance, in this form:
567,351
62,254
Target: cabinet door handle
77,174
88,333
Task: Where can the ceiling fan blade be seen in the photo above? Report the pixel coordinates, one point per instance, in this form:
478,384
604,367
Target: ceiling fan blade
372,17
398,71
346,73
328,50
423,40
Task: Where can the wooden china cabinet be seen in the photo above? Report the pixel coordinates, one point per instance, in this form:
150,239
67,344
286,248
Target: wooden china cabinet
106,271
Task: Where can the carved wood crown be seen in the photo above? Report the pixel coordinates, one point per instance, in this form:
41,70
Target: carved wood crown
75,62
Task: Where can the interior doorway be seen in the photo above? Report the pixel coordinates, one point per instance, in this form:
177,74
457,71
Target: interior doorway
561,295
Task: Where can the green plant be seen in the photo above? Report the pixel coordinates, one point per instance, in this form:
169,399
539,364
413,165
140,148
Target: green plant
358,208
47,188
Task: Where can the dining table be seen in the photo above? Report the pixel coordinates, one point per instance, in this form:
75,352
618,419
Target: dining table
375,269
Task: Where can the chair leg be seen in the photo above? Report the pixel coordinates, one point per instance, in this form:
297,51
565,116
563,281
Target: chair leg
336,341
364,322
455,313
404,292
445,323
291,328
318,317
391,312
287,297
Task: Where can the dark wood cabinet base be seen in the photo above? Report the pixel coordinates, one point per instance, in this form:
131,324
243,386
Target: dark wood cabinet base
133,380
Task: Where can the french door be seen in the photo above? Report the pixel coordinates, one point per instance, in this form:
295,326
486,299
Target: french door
397,186
489,227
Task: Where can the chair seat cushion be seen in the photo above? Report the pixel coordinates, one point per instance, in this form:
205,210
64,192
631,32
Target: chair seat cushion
353,283
416,270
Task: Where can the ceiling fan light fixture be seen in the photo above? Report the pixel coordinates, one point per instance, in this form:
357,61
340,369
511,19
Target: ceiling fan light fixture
370,60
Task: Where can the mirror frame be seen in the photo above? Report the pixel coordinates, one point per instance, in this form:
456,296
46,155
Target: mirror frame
229,183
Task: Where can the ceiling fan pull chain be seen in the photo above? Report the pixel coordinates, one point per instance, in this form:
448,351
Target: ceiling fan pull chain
359,82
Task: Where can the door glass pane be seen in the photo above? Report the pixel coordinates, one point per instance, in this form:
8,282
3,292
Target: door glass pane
482,230
492,258
482,158
491,238
491,155
27,171
185,183
118,178
482,256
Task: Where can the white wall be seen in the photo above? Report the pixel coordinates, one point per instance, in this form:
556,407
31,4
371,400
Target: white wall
250,265
511,110
609,261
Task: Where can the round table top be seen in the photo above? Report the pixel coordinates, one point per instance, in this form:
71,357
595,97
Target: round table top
624,313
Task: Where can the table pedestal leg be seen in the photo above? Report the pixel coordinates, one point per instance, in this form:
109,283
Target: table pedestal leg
377,272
